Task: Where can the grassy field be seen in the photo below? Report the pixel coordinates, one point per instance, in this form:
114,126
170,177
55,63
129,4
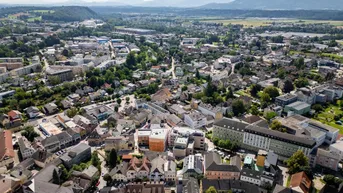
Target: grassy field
34,18
266,22
327,117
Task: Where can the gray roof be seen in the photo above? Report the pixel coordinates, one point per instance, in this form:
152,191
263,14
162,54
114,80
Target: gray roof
225,185
251,173
297,140
213,163
191,186
63,136
81,147
231,124
281,189
90,171
50,140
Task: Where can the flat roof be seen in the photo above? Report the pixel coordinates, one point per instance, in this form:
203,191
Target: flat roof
158,134
299,105
50,128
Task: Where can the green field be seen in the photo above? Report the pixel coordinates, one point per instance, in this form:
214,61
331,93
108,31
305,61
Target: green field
34,18
327,117
266,22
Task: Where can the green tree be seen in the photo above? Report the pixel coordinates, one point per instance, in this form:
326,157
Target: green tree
270,115
107,178
265,98
301,82
296,162
254,89
119,101
276,125
54,80
288,86
318,108
112,158
56,177
72,112
95,159
272,91
238,107
211,189
29,133
197,74
254,110
131,60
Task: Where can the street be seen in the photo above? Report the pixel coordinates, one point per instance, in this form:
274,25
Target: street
104,170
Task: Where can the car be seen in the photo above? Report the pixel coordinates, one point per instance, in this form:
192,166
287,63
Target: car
241,150
102,174
98,183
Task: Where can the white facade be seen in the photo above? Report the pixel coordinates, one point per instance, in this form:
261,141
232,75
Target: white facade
337,148
195,122
251,180
258,141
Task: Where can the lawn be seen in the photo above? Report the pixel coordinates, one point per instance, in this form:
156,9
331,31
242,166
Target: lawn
43,11
327,116
265,22
32,19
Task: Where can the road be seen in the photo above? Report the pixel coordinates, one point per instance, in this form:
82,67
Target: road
112,50
233,68
172,70
104,170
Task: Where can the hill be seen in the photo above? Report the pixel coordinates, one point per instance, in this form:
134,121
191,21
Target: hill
278,4
62,13
70,13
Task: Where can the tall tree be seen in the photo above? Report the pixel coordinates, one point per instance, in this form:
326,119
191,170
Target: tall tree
112,158
56,177
238,107
288,86
211,189
271,91
296,162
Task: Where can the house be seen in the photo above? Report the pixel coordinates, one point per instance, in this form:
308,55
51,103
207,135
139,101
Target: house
180,147
6,149
65,139
148,187
143,137
26,149
76,155
337,148
192,166
188,185
100,112
12,119
138,168
97,136
281,189
86,123
42,158
161,96
215,169
195,120
9,184
50,108
119,172
119,143
33,112
51,143
162,170
251,176
300,182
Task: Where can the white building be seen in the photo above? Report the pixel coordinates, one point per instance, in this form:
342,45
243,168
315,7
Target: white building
251,176
26,148
337,148
195,120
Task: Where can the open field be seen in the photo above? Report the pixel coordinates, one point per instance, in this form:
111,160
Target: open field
32,19
253,22
327,116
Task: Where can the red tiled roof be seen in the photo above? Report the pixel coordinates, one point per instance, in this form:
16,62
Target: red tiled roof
6,145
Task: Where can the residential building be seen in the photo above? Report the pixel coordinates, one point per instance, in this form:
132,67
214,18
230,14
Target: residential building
76,155
26,149
229,129
50,108
180,147
119,143
119,172
207,109
158,140
300,182
143,137
148,187
162,170
138,168
337,148
11,63
9,184
328,159
251,176
195,120
192,166
51,143
42,158
33,112
6,149
62,75
215,169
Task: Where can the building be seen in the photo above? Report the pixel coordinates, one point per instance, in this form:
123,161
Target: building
26,149
158,140
162,170
11,63
300,182
251,176
285,99
255,138
195,120
298,107
12,119
138,168
337,148
328,159
135,31
119,143
215,169
192,166
180,147
76,155
50,108
207,109
33,112
49,129
9,184
62,75
6,149
225,185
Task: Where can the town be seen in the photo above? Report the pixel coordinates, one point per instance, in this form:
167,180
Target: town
158,102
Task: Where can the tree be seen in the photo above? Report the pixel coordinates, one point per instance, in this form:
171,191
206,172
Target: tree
318,108
56,177
301,82
272,91
95,159
238,107
65,174
119,101
29,133
127,99
54,80
254,89
254,110
131,60
270,115
288,86
265,98
72,112
197,74
296,162
332,180
276,125
281,73
112,158
211,189
107,178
